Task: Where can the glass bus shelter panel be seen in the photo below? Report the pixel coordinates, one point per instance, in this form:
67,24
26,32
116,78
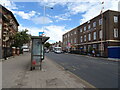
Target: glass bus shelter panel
37,46
42,52
36,59
37,50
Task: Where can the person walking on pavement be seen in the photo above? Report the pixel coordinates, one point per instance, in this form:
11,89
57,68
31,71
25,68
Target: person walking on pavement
93,52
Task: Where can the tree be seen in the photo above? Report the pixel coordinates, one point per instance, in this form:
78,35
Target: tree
47,45
21,38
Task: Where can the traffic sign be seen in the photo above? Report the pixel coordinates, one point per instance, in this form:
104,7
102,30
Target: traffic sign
41,33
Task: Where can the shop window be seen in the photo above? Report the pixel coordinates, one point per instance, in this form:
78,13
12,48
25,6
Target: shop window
115,32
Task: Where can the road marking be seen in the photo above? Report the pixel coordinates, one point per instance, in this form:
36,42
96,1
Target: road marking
88,85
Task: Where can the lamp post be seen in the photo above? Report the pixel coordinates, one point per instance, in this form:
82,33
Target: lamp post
44,14
102,29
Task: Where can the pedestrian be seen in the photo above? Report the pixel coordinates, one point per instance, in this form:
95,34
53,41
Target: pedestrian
93,52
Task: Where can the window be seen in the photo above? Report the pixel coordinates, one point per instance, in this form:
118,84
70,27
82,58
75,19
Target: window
100,34
94,35
71,40
68,40
81,30
115,19
74,40
94,45
89,48
68,35
74,32
100,21
89,36
115,32
85,28
84,37
84,48
14,26
94,24
81,38
64,43
89,27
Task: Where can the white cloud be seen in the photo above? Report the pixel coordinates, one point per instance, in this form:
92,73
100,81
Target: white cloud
31,30
42,20
96,7
8,4
80,7
54,32
52,3
88,8
61,17
25,15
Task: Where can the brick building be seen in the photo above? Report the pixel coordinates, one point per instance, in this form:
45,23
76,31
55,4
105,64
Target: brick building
8,28
70,39
102,34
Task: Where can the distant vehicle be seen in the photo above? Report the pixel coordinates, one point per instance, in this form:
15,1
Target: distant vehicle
57,49
25,48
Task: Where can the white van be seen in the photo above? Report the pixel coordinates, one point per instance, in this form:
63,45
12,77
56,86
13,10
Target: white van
58,50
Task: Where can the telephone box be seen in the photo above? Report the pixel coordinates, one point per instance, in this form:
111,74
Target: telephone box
37,51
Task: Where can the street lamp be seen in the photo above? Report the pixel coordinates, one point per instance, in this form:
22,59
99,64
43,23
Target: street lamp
102,28
44,14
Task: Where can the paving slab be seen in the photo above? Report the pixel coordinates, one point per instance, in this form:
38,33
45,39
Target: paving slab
17,74
51,76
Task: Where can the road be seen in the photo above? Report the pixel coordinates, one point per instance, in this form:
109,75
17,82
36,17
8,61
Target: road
99,72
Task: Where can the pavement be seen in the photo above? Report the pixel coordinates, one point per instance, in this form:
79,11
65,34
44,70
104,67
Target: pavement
52,75
0,74
109,59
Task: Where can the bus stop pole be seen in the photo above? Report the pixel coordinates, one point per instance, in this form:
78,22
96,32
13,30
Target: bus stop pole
41,55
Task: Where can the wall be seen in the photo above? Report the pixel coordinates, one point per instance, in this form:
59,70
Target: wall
0,39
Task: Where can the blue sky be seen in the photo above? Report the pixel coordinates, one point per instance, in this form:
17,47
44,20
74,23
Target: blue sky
65,15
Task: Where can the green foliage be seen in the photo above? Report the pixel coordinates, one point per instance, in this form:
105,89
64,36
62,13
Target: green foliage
47,44
21,38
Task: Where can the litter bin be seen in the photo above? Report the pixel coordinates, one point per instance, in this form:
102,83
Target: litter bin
37,51
18,51
13,51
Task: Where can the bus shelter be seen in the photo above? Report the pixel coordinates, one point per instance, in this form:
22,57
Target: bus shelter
37,51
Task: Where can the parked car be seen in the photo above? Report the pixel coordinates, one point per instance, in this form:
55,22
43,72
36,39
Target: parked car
25,48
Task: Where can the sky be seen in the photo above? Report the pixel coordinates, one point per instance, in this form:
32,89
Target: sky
55,17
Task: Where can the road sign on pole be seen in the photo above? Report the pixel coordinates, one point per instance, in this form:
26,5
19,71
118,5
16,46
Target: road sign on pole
41,33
